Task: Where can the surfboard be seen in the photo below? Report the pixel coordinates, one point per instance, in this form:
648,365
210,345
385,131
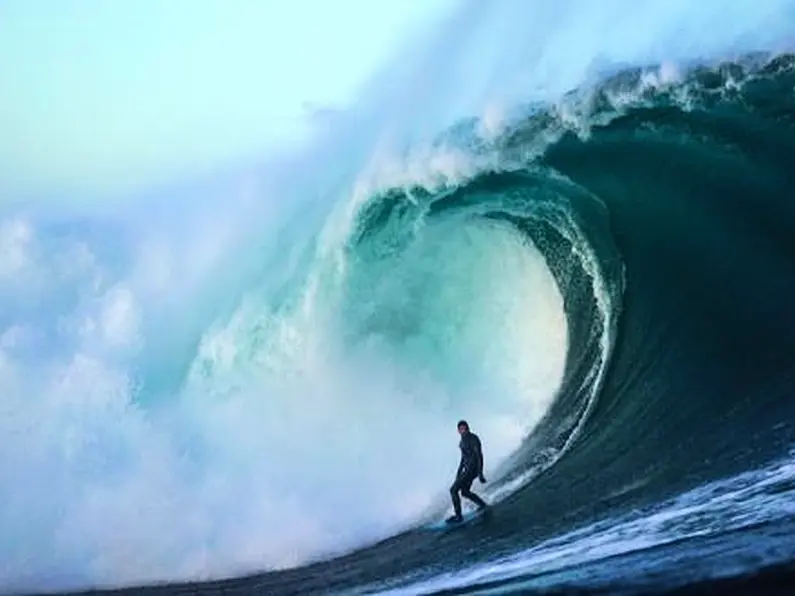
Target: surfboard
470,517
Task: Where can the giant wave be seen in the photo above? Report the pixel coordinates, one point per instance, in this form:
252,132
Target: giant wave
599,283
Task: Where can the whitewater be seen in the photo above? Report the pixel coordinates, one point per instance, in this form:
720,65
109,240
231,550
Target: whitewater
264,371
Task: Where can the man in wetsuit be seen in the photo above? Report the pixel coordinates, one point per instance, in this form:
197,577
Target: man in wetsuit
471,467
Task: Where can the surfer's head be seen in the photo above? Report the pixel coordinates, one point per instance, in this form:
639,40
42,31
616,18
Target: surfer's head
463,427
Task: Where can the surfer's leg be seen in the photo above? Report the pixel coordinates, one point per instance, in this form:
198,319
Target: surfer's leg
456,498
468,494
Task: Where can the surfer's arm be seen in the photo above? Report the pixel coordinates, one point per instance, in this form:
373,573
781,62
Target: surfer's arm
462,466
479,451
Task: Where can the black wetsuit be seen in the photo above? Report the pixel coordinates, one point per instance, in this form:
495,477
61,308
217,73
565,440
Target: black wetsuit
471,467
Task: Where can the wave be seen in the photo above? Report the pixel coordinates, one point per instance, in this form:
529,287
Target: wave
679,192
597,282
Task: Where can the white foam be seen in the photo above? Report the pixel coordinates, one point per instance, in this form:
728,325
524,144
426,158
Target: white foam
15,236
257,460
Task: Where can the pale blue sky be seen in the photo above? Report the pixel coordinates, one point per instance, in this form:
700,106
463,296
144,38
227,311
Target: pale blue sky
102,94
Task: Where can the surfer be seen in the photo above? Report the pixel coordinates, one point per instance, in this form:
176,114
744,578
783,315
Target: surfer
471,467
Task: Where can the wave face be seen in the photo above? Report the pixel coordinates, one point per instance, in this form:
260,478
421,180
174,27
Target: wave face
677,183
596,278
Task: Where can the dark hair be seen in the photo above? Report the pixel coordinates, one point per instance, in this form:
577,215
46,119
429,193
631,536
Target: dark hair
463,423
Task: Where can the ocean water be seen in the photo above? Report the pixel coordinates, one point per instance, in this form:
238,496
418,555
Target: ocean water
570,224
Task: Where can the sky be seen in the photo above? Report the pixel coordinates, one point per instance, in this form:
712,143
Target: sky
102,95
